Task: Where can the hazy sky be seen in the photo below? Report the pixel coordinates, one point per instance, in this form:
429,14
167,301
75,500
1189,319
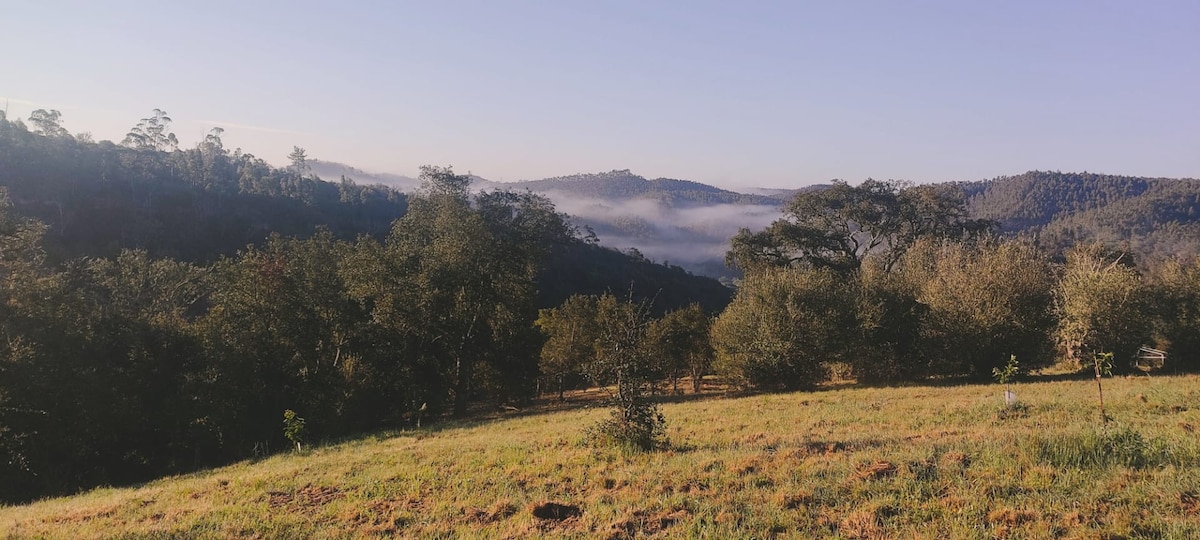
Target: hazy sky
734,93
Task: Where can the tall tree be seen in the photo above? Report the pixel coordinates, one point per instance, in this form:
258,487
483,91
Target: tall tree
47,123
469,266
299,161
152,133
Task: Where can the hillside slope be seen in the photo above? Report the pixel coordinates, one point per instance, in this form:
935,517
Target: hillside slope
928,462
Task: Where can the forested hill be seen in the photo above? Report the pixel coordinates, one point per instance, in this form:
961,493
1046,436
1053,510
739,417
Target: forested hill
622,185
198,204
1153,217
194,205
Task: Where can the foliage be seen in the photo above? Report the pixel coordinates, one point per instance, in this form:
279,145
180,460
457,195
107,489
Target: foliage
48,123
193,205
890,318
1011,370
679,343
984,302
1175,292
571,334
152,133
1154,217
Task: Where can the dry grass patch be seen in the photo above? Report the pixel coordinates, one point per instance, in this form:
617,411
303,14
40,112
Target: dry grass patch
876,470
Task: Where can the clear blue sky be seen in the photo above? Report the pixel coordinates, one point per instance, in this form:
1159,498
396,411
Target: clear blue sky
777,94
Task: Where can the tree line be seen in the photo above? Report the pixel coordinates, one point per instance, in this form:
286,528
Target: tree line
146,332
895,282
890,282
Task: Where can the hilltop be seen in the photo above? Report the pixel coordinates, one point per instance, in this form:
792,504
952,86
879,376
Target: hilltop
922,461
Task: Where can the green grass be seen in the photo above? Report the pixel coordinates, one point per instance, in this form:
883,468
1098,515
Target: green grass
914,462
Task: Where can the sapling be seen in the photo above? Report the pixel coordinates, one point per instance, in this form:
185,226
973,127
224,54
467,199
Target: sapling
1005,376
1103,364
293,427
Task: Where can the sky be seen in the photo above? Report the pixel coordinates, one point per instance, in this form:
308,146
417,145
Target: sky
730,93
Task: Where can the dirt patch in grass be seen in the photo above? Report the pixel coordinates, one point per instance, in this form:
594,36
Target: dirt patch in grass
553,511
792,501
746,467
309,496
641,522
872,471
955,460
693,486
1189,501
383,517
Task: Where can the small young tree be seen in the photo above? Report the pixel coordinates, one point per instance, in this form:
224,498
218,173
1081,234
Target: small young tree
293,428
1102,363
621,355
1005,376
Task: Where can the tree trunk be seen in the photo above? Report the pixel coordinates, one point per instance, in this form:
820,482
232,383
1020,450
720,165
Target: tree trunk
462,387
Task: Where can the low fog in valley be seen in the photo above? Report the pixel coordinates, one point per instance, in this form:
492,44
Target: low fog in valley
663,227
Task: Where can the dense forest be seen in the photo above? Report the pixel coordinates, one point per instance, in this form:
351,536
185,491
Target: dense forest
165,309
1152,217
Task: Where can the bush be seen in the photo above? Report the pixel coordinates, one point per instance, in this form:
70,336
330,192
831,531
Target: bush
783,326
640,426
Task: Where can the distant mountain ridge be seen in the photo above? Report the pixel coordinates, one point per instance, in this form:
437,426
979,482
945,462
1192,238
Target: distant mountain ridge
689,223
623,184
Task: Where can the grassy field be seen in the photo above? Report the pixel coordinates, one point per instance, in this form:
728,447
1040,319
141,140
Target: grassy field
915,462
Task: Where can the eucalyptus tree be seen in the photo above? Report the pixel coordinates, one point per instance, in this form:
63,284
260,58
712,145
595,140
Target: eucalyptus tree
839,226
152,133
48,123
